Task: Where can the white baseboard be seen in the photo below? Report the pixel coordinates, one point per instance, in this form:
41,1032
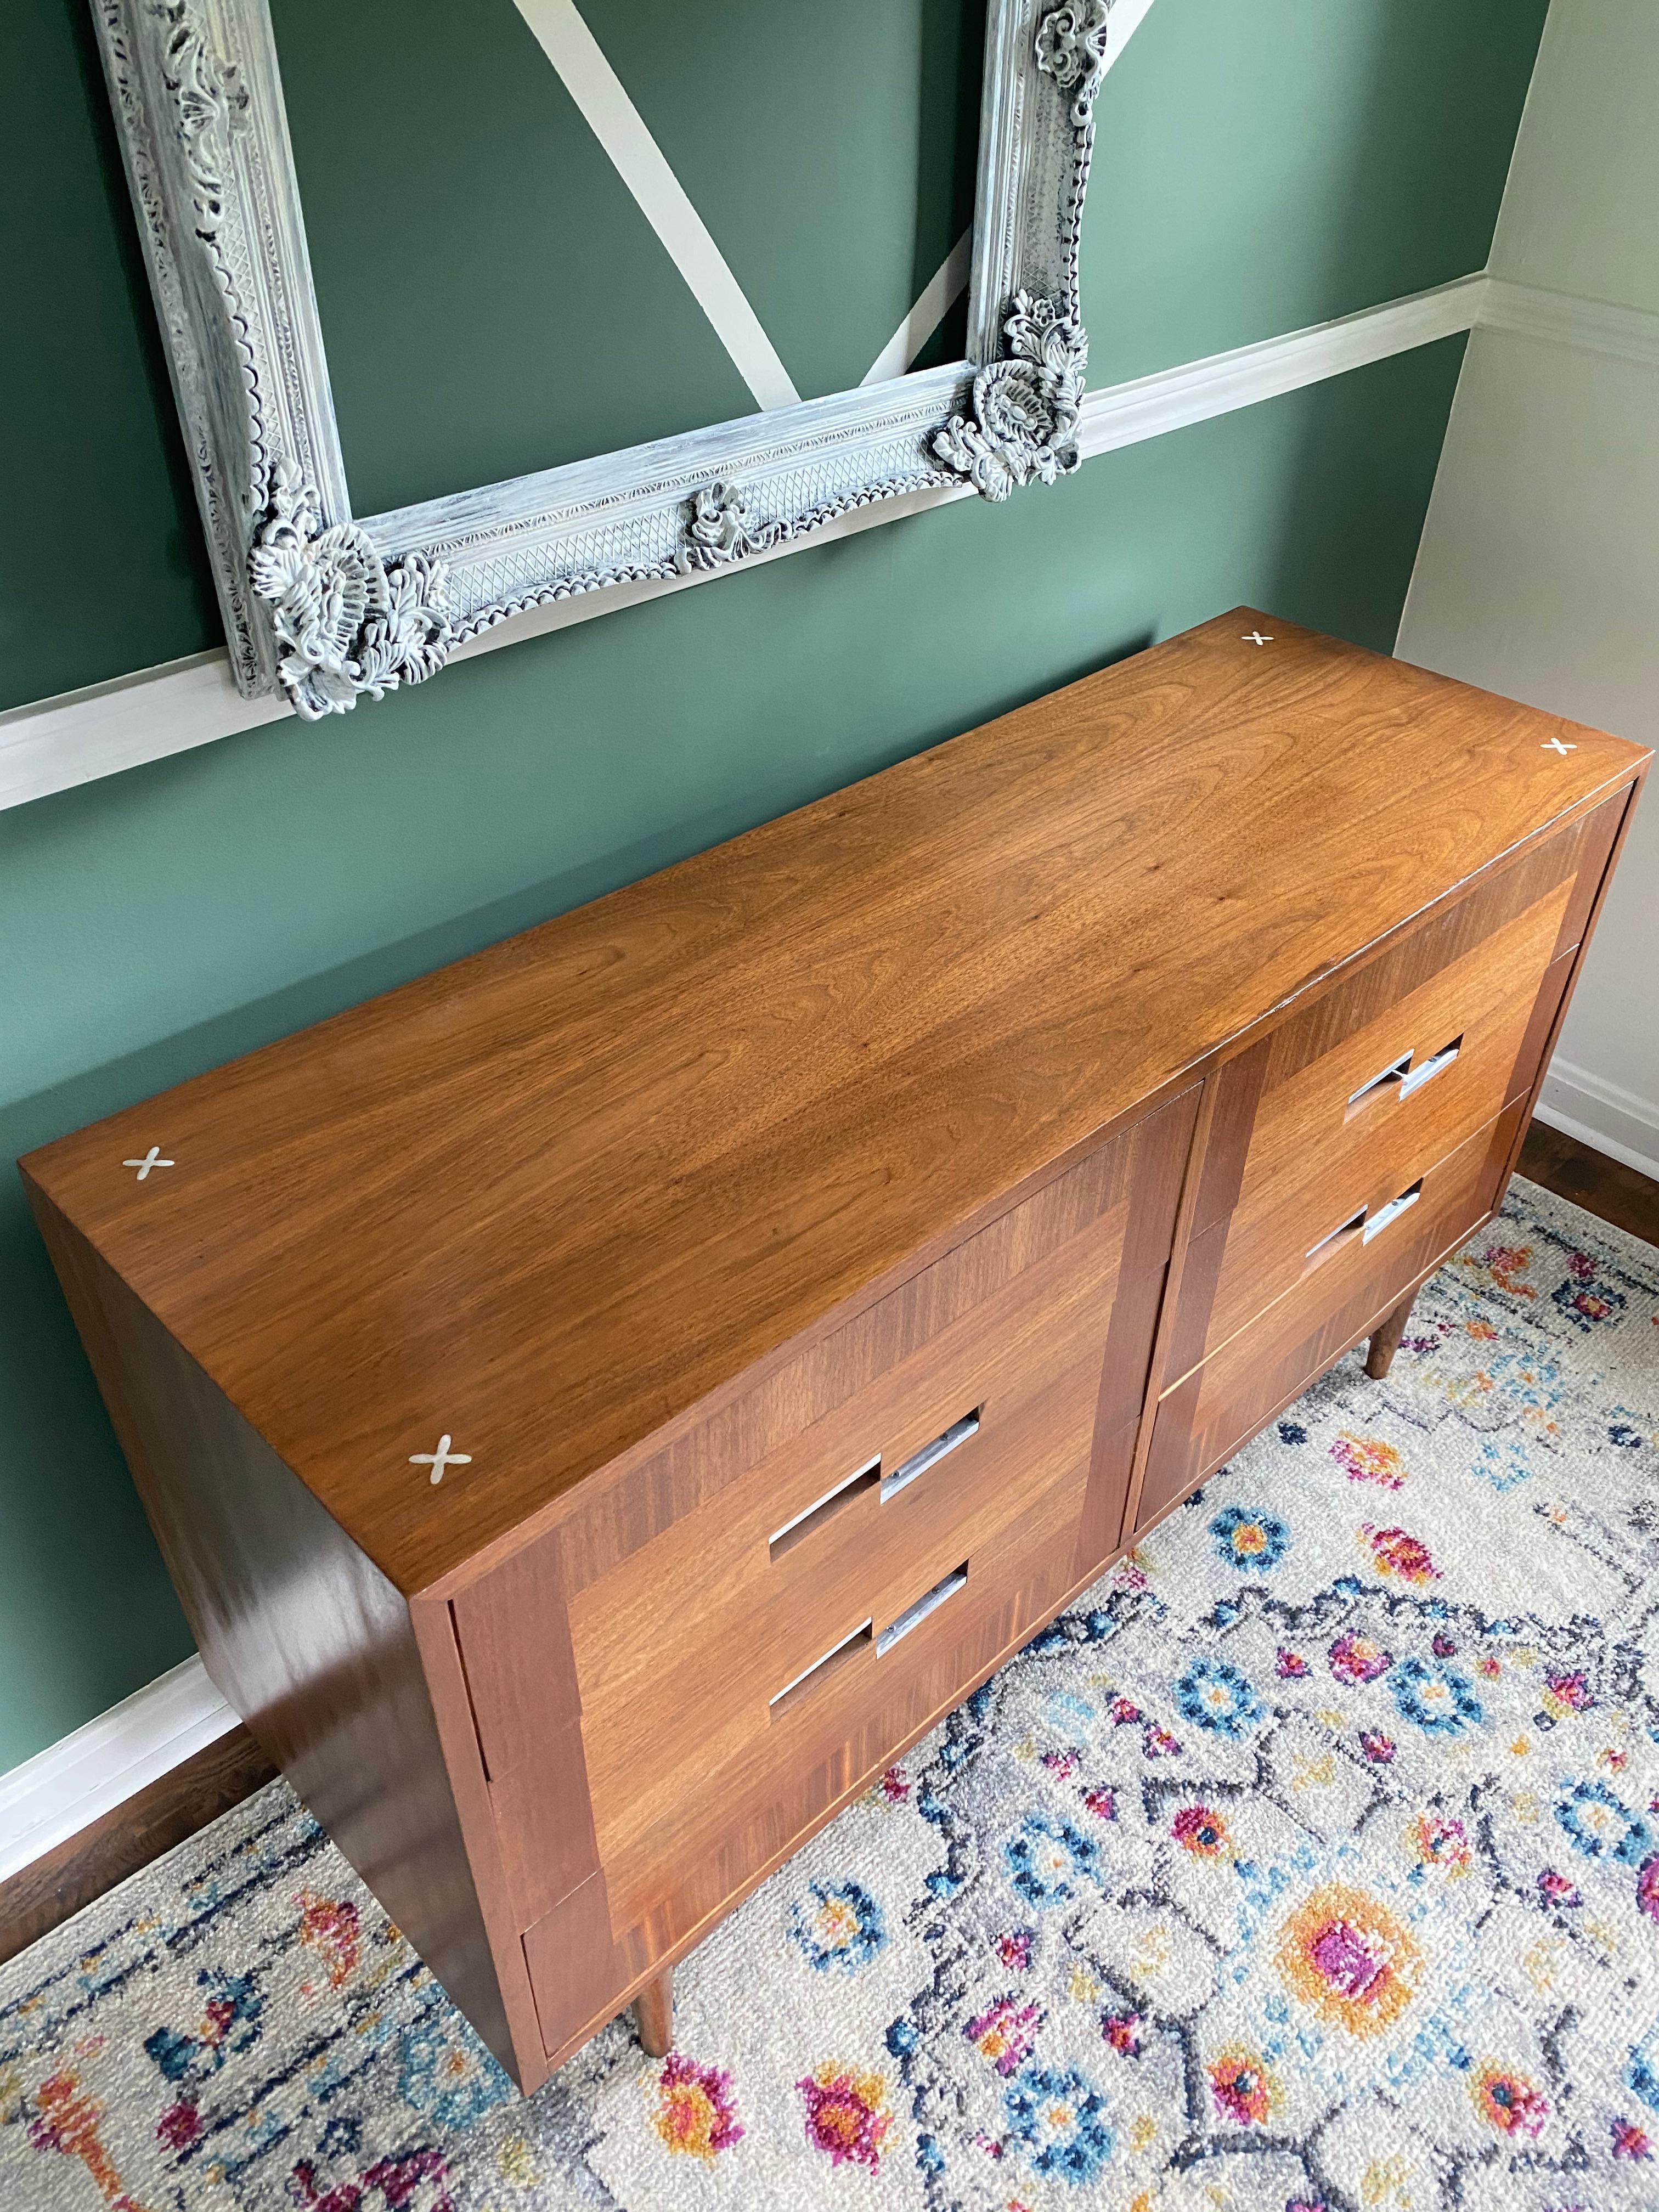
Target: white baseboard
74,1782
1601,1114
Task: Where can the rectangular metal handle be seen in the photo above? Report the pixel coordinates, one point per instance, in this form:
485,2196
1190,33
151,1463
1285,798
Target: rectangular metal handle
811,1677
1382,1080
930,1455
814,1516
914,1615
1378,1221
1441,1061
1368,1223
1342,1228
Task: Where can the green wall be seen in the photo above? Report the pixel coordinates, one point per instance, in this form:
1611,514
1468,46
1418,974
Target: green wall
155,922
101,564
834,167
1260,167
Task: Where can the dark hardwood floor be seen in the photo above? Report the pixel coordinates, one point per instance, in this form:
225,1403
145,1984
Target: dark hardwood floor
1603,1187
84,1866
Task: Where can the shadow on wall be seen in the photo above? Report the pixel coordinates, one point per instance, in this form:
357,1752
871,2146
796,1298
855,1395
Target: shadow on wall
944,25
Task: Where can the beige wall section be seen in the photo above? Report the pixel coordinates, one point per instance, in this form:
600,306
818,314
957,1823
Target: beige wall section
1538,569
1581,210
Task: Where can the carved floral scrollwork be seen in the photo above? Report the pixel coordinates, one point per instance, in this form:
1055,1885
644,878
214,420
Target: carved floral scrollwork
719,529
345,624
1025,407
211,104
197,99
1071,47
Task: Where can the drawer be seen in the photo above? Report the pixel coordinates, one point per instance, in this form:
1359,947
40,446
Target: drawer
687,1851
1350,1100
1206,1417
676,1682
793,1647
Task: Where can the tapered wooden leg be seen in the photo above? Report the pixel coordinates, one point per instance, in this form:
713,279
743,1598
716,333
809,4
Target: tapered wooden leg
653,2014
1385,1339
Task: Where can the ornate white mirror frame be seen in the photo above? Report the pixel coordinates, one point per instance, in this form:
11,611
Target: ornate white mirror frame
329,606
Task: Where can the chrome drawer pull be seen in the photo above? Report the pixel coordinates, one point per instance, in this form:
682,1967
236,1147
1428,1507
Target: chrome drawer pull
914,1615
1393,1073
1401,1078
930,1455
1368,1223
1442,1061
1392,1211
1343,1229
808,1677
849,1487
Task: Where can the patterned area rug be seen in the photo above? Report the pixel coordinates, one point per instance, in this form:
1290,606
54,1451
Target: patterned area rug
1313,1859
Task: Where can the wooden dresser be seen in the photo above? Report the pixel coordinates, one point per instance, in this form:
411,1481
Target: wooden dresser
601,1402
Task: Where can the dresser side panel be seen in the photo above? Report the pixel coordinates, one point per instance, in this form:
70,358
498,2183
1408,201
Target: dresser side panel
1590,895
299,1631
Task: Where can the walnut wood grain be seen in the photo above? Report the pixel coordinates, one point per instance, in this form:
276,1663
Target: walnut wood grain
511,1619
1313,1159
303,1635
728,1849
1620,816
580,1974
1340,1334
653,2014
554,1948
550,1197
1025,1325
935,1097
681,1743
1208,1134
1603,838
1286,1157
1385,1340
1202,1419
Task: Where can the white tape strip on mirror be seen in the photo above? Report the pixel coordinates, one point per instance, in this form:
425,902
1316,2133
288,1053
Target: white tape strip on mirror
617,124
950,279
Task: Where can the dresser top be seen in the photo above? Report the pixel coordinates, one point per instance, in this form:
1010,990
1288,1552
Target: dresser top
543,1201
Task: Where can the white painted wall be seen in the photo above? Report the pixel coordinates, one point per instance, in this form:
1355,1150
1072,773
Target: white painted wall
1538,574
1580,211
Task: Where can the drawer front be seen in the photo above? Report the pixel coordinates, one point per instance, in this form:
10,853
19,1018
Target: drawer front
718,1644
1347,1103
681,1838
1214,1410
781,1644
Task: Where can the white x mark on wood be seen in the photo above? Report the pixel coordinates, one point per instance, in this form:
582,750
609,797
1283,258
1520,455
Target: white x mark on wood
439,1460
1254,637
1555,745
152,1159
